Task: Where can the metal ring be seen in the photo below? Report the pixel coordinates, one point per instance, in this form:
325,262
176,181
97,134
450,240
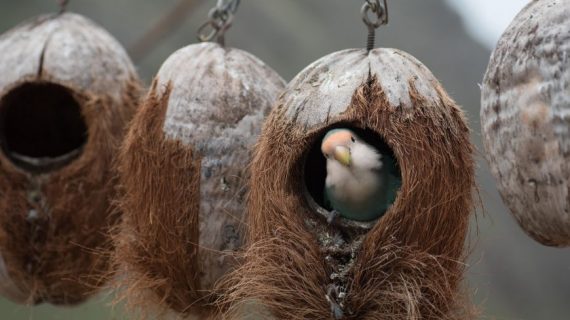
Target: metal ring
215,27
219,15
231,5
204,35
221,18
381,12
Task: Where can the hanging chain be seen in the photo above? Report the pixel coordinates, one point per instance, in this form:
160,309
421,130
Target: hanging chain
62,5
380,18
221,17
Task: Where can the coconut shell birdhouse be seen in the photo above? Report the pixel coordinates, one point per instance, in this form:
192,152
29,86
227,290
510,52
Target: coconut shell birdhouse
404,263
66,92
183,170
524,110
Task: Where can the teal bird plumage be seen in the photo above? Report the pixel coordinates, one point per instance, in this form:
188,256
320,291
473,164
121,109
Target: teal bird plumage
361,182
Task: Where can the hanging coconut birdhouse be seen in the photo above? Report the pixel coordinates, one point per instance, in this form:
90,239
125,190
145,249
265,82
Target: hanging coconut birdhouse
357,130
524,110
66,92
183,170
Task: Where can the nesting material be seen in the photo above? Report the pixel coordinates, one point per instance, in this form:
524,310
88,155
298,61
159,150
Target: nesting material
406,265
525,103
183,170
67,89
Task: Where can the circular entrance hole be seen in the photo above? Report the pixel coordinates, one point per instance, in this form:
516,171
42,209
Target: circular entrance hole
41,126
315,171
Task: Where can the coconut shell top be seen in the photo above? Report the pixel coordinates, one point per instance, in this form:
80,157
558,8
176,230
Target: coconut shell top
183,168
67,49
66,92
525,103
407,264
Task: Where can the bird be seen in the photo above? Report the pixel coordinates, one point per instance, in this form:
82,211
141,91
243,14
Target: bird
361,182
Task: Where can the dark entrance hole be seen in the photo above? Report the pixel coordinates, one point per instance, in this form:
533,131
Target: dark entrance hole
41,126
315,171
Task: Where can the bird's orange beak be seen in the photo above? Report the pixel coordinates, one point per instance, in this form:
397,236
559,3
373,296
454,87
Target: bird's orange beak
342,155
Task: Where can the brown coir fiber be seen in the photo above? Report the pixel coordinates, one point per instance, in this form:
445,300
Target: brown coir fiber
56,254
410,264
158,240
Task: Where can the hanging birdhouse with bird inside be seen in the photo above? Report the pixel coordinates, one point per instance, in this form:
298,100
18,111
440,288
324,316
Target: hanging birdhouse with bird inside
525,102
360,194
183,171
67,89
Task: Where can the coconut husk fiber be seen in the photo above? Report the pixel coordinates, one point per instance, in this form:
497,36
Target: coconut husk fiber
67,91
183,174
525,99
409,264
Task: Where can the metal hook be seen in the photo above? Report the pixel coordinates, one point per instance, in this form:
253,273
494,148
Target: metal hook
221,18
381,13
62,5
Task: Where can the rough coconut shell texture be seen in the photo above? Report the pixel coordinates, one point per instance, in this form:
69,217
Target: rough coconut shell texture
183,170
525,105
410,264
54,224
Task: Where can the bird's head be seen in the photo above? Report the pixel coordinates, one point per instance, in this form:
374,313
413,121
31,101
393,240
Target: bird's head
338,144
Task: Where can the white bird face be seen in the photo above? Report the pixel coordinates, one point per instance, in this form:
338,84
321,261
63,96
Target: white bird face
346,148
338,144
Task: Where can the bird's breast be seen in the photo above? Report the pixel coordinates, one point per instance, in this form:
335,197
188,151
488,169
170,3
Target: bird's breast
353,187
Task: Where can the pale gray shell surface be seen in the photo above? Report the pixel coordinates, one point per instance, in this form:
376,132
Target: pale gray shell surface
67,49
218,100
525,119
335,77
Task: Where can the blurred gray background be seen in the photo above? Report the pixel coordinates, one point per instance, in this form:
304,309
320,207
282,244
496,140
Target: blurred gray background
510,275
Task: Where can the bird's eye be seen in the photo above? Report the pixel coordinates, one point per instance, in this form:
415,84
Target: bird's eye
352,139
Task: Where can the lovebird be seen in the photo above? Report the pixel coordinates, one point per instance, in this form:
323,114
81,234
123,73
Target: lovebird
361,182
